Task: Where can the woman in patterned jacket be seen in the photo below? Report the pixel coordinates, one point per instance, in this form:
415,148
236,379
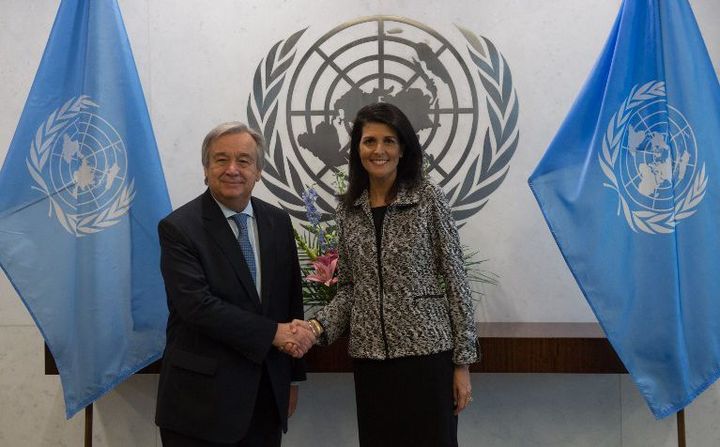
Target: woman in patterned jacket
402,290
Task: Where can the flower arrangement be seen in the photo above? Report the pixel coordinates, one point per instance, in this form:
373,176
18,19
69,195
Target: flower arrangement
317,252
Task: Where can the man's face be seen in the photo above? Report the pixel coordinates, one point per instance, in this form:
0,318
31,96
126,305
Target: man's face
232,169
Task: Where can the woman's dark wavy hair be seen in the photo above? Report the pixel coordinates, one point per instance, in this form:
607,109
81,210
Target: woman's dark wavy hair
409,170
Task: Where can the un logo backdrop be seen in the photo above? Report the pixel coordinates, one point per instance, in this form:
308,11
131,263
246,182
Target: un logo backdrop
459,98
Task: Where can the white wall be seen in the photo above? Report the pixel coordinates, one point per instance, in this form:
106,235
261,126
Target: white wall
196,60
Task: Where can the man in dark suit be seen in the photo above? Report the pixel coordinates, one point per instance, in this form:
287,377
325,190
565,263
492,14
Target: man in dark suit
233,286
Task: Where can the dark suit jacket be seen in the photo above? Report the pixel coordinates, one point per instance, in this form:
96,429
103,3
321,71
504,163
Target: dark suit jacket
219,333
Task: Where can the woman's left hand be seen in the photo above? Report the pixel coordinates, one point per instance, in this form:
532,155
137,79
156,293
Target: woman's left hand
462,388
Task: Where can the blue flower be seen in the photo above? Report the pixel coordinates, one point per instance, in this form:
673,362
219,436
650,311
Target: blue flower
313,214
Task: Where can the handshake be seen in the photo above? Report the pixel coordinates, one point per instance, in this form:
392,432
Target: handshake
297,337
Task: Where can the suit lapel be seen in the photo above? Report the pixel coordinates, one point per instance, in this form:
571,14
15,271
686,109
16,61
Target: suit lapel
217,227
268,252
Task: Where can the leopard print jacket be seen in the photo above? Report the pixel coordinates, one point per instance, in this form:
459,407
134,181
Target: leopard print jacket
418,302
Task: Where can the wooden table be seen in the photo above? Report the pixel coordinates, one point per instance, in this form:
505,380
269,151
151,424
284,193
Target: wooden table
567,348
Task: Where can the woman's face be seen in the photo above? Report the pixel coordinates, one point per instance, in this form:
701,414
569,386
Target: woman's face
380,152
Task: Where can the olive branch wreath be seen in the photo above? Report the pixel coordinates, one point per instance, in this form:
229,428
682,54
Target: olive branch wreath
650,222
262,110
39,155
483,176
492,165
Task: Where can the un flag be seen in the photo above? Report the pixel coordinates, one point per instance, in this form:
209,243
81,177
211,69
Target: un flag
81,192
630,189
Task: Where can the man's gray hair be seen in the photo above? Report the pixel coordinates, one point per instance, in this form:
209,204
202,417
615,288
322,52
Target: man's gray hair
230,128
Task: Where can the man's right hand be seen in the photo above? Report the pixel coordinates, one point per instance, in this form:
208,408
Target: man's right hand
294,338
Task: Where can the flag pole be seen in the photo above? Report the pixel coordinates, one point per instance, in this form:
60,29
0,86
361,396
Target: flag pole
89,425
680,415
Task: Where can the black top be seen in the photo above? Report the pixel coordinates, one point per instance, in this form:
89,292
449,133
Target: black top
378,214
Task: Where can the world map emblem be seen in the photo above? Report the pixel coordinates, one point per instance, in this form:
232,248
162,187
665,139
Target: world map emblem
78,160
461,102
650,157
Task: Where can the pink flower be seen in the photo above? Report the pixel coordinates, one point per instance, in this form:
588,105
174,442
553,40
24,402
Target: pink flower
328,257
325,269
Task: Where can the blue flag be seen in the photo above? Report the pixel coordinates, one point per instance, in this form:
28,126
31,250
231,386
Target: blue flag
630,188
81,192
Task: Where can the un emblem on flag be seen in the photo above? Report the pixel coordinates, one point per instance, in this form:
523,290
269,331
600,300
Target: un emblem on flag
460,101
650,156
78,160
